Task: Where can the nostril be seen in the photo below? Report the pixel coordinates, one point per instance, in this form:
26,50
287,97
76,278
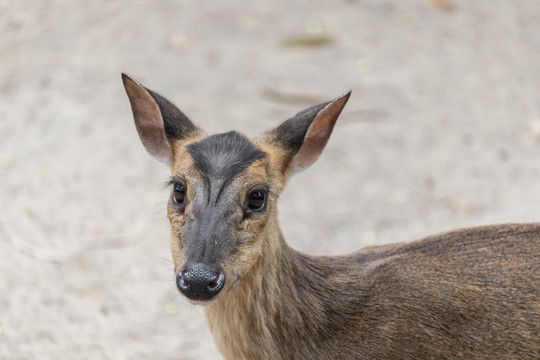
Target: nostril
218,279
181,280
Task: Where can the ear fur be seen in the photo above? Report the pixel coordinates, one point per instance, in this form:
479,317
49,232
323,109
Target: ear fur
304,136
158,122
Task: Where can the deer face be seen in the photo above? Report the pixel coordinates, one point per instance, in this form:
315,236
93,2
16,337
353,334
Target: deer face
221,199
224,187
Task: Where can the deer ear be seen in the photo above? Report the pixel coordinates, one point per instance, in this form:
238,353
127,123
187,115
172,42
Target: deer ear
159,123
305,135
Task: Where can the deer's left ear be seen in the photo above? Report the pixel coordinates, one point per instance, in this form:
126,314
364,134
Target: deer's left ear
304,136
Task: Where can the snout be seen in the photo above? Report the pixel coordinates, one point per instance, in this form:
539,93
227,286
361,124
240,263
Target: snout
199,282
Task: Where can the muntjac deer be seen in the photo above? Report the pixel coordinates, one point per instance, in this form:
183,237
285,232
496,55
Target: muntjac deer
467,294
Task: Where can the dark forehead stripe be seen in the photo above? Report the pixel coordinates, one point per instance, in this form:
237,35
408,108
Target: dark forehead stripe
224,156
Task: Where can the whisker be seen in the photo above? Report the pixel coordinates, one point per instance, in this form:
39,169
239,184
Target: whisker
273,194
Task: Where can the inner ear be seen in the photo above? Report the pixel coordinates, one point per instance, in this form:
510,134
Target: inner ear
158,121
317,134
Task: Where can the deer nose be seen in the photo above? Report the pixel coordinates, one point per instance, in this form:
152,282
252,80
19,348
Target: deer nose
199,282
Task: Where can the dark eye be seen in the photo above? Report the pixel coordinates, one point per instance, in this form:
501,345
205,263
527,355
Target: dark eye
257,199
179,193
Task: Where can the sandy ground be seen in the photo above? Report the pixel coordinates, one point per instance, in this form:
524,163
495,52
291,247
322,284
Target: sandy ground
442,132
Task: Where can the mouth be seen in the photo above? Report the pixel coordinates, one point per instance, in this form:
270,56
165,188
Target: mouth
202,302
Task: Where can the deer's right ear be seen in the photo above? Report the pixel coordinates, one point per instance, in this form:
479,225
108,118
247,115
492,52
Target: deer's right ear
159,122
303,137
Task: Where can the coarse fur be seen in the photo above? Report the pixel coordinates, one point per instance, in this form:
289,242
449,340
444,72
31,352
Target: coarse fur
467,294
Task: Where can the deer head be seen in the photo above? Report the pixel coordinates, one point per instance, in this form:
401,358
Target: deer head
224,187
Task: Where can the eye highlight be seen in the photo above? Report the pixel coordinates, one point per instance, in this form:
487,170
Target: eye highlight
257,199
179,193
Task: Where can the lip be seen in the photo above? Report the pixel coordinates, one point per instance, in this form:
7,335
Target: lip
202,302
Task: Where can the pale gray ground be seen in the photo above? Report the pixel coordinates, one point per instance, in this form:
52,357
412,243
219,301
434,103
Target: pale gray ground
442,131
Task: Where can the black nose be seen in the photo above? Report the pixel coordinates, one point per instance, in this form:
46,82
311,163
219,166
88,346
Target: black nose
199,282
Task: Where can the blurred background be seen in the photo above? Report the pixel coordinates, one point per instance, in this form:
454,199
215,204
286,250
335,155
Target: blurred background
442,131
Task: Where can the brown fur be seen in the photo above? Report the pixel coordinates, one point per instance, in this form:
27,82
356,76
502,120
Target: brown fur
470,294
467,294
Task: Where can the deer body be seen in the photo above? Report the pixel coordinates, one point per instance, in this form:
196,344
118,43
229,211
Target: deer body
471,294
436,298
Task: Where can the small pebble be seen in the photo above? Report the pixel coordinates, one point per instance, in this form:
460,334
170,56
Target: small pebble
136,273
4,160
444,5
534,130
171,309
369,238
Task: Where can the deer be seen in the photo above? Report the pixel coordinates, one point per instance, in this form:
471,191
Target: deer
471,293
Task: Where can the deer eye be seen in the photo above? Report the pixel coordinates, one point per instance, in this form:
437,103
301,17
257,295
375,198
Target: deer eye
179,193
257,199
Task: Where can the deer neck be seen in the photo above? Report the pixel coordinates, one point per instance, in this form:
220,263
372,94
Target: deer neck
276,310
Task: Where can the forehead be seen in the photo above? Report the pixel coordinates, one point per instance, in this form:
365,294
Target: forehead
223,156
